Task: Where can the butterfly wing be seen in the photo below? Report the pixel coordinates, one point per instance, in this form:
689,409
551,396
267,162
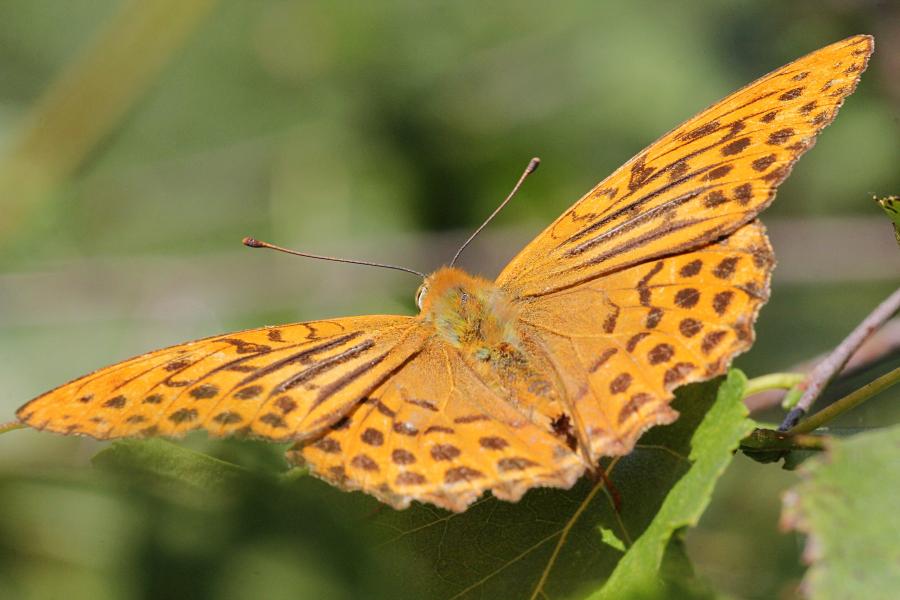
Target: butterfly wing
697,183
276,383
655,277
623,342
435,432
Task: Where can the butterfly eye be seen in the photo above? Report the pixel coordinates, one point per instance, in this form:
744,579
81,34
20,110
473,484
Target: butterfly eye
420,294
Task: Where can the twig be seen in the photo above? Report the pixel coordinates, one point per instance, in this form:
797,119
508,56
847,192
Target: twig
828,368
846,403
882,343
11,426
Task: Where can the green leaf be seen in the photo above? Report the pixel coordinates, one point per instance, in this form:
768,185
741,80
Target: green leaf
712,447
847,504
551,544
891,207
610,539
164,463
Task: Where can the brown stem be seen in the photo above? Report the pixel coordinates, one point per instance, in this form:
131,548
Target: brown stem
828,368
882,343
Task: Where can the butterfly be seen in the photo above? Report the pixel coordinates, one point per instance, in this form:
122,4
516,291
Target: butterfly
651,280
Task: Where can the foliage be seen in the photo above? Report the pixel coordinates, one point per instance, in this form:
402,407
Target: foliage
551,544
342,130
846,503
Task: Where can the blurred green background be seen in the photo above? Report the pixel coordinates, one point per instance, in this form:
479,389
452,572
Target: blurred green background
142,140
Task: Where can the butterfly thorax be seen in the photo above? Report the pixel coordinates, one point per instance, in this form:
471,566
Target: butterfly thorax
471,314
481,321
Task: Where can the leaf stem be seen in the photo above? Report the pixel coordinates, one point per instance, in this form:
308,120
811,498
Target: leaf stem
773,381
834,362
847,402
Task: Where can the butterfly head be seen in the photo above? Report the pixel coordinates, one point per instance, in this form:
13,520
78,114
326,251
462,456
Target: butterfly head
463,308
447,288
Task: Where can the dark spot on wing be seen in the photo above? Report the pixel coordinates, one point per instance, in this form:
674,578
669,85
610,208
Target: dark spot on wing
677,373
364,462
711,340
633,405
654,316
689,327
515,463
410,478
725,268
444,452
660,353
248,392
791,94
721,301
621,383
632,343
273,420
736,147
605,356
687,298
184,415
743,193
714,199
402,457
461,474
493,443
776,138
761,164
691,268
117,402
228,417
719,172
202,392
372,437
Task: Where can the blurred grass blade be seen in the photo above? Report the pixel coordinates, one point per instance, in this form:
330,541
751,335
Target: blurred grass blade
91,96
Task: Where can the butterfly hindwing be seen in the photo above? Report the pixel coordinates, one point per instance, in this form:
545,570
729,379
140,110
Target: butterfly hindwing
628,339
435,432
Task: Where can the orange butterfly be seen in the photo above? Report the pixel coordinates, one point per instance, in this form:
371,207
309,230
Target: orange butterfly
652,280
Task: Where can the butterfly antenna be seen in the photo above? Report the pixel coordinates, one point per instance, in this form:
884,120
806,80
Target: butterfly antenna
254,243
532,166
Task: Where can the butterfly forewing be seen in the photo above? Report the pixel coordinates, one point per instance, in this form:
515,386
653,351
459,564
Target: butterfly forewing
698,182
277,383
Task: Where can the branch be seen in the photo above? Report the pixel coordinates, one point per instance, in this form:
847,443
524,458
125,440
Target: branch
847,402
882,343
828,368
